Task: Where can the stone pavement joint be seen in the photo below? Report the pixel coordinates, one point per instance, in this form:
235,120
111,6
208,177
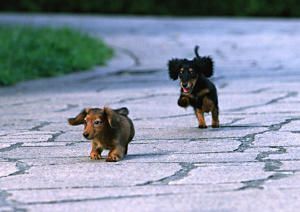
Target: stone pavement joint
183,172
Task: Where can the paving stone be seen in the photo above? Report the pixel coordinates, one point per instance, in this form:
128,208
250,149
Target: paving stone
192,132
277,139
293,126
97,173
292,153
27,137
290,165
69,194
225,173
285,182
232,201
184,147
7,168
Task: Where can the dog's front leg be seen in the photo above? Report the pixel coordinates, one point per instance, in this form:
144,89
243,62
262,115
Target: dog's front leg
183,101
96,151
117,153
200,116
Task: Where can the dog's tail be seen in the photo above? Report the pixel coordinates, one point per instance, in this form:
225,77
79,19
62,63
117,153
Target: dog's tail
196,51
205,64
122,111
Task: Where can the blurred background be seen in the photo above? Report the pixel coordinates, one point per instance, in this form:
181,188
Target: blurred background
45,57
262,8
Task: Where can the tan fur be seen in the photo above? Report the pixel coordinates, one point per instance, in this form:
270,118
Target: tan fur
114,133
200,117
203,92
209,106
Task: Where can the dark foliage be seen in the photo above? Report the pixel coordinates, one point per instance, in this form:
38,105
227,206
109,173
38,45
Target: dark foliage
287,8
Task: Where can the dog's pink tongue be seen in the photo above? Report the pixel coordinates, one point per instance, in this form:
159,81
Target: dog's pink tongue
185,90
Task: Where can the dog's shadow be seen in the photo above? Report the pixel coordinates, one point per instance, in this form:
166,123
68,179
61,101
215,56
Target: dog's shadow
130,157
235,127
145,155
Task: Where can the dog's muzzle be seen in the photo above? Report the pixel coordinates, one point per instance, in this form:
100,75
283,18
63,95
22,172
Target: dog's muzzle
186,87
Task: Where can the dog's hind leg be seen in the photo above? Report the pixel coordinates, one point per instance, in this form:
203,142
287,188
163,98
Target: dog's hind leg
215,118
200,116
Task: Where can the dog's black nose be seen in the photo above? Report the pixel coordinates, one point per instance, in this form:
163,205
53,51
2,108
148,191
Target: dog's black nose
184,85
86,135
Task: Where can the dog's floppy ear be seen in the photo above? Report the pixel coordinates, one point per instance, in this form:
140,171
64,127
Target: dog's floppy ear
122,111
203,65
112,117
174,66
79,119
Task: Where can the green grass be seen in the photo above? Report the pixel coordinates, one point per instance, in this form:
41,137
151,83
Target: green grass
31,53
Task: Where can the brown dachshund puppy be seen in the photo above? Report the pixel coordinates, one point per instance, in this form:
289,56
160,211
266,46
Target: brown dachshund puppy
108,129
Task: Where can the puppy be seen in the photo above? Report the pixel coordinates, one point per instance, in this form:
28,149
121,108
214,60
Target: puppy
196,89
108,129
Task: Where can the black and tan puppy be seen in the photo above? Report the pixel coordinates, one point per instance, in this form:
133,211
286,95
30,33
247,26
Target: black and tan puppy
196,89
108,129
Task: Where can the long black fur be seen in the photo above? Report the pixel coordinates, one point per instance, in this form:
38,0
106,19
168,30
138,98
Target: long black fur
202,65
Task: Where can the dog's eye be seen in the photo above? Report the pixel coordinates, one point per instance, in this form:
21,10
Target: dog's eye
97,122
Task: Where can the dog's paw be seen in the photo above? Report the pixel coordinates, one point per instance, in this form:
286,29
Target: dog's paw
215,125
95,156
202,126
183,102
113,158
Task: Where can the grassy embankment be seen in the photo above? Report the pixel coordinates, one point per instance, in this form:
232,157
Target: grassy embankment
31,53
